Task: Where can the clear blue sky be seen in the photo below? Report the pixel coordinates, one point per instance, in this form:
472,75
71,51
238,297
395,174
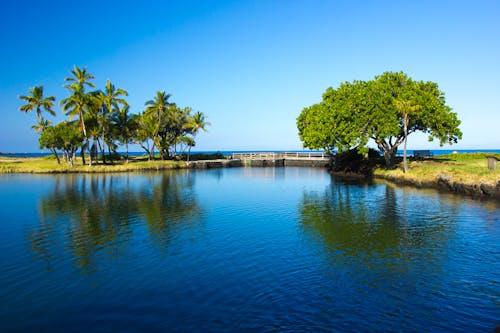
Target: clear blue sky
251,66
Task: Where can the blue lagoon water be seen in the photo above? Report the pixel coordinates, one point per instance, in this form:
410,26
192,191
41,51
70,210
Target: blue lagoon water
245,249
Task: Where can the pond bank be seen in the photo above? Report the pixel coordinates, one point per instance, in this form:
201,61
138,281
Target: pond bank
446,183
466,174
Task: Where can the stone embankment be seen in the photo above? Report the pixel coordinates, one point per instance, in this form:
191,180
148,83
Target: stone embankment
446,183
212,164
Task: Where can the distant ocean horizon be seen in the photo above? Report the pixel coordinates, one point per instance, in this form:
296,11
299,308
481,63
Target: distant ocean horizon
435,152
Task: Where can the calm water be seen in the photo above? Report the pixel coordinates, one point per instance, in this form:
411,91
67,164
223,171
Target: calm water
244,249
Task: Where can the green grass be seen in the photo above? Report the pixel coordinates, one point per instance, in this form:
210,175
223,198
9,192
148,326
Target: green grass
49,165
463,168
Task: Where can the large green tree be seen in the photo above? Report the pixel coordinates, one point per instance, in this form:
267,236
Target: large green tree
402,106
386,110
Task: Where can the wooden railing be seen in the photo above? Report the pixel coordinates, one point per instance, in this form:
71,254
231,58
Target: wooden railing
280,155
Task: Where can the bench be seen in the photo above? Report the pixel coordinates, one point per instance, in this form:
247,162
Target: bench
422,153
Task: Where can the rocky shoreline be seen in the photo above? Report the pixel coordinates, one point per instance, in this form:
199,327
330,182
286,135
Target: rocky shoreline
445,183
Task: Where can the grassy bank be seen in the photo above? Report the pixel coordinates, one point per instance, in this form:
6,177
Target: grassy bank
49,165
460,173
463,168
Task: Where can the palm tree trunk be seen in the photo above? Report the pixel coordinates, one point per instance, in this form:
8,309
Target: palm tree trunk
90,152
82,154
103,155
152,151
405,163
126,152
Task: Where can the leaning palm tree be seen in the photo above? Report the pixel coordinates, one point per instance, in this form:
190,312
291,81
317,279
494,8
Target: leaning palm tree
196,123
36,101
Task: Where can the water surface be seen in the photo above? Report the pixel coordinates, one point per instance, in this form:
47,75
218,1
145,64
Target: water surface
246,249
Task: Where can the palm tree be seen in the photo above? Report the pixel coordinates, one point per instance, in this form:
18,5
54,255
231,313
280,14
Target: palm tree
41,125
407,109
110,99
124,125
36,101
157,109
145,127
80,77
196,123
78,102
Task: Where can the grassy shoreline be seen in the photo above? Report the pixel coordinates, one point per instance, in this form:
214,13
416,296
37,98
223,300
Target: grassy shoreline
458,173
41,165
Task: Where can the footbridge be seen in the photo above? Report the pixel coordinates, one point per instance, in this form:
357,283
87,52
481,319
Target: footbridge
266,159
310,159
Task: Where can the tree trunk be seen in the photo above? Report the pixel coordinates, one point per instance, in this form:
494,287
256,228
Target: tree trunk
126,152
101,148
152,152
90,152
389,154
405,163
73,154
55,154
82,154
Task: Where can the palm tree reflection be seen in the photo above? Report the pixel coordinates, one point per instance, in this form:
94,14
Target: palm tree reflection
95,217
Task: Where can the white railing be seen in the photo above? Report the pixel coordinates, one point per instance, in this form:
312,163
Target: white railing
279,155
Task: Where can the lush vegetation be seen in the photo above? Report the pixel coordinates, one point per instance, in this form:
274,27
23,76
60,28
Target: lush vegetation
386,110
104,122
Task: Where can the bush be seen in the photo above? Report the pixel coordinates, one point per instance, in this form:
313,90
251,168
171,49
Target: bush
202,156
352,161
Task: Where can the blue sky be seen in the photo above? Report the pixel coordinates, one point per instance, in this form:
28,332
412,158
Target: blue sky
251,66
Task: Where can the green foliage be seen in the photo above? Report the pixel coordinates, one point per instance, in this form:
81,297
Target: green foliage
200,156
64,136
168,126
36,101
385,110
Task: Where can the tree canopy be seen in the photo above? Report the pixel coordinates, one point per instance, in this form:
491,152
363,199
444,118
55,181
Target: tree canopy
385,110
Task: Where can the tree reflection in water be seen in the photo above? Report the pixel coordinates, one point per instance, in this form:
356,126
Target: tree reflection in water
95,217
377,227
